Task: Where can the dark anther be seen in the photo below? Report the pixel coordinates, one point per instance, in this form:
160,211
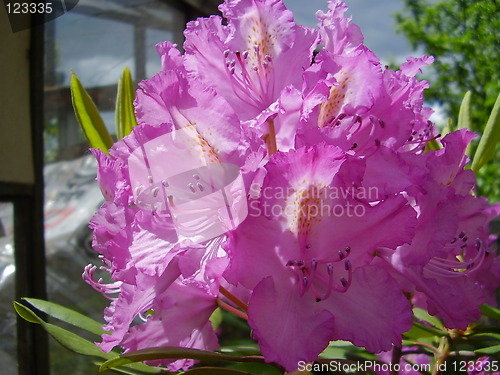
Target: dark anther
341,254
347,249
347,265
314,263
305,282
343,281
377,142
318,299
300,263
329,268
461,235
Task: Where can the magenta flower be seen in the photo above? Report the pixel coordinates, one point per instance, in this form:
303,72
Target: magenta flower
450,254
348,215
252,59
183,312
309,265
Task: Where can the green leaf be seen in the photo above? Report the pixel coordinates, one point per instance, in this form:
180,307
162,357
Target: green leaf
133,368
66,338
125,117
420,330
491,136
66,315
215,371
177,353
495,349
74,342
26,313
216,318
490,311
464,118
71,340
485,335
421,314
88,117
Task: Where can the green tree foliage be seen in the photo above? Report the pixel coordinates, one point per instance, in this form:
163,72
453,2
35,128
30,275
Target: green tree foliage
464,38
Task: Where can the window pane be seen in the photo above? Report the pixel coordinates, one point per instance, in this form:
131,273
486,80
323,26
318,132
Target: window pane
8,348
96,40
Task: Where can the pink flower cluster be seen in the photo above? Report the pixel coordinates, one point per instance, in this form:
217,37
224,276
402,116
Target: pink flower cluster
312,133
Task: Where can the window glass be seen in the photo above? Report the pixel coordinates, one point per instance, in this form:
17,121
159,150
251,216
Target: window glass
8,348
96,40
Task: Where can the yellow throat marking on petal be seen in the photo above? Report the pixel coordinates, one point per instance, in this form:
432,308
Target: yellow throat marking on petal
331,108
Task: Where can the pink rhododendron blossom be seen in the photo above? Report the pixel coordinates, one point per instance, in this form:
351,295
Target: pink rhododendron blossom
259,53
318,277
345,217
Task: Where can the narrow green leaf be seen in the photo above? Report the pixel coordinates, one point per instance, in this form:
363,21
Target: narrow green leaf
74,342
66,338
177,353
88,117
485,335
125,117
26,313
215,371
133,368
490,311
67,315
464,119
71,340
421,314
495,349
491,136
420,330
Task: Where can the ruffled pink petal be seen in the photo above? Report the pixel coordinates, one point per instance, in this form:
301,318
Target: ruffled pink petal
373,313
289,328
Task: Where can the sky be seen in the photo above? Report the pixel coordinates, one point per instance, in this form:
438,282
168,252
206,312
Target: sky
375,18
87,45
